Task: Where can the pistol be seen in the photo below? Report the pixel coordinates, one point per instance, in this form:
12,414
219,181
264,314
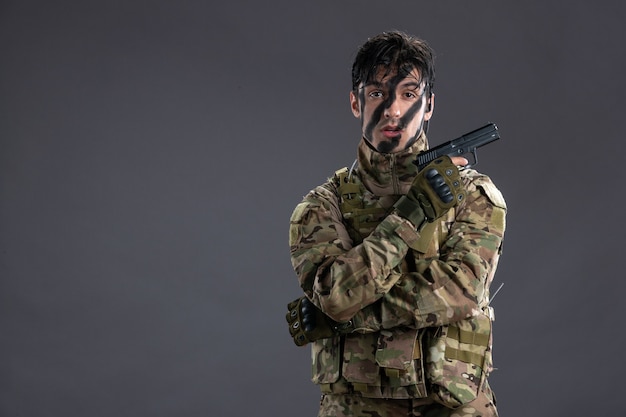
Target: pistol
466,144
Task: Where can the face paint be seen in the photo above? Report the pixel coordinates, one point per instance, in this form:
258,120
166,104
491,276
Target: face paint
408,118
376,117
362,103
378,129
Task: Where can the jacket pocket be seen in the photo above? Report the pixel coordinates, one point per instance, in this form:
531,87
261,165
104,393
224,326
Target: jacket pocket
458,359
359,366
326,360
399,355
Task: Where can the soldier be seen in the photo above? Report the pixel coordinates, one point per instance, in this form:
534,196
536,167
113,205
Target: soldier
396,264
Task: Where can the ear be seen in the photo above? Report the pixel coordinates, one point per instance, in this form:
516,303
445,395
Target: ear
430,107
355,106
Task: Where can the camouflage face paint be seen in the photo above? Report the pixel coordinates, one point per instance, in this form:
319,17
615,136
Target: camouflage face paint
409,116
377,114
390,143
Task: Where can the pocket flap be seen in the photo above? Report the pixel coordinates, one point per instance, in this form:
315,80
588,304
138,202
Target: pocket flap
396,348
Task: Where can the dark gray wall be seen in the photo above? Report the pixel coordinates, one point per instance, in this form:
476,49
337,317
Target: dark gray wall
151,153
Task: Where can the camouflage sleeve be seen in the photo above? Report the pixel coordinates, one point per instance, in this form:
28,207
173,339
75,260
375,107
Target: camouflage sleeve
339,278
455,284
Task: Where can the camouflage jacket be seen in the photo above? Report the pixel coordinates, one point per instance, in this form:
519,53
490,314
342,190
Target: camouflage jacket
418,298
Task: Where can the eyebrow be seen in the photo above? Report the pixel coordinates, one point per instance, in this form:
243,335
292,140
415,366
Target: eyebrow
378,84
413,84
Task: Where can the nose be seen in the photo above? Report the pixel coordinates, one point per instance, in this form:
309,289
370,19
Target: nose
392,111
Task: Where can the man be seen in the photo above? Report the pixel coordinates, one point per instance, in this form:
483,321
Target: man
396,264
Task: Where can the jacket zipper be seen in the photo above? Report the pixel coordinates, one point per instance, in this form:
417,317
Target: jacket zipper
394,175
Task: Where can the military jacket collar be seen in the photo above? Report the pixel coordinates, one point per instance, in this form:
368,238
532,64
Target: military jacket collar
388,174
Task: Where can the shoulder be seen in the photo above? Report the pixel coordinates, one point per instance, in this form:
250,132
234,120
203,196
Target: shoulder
324,197
317,220
478,182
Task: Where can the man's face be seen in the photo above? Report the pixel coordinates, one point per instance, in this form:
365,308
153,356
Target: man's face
392,109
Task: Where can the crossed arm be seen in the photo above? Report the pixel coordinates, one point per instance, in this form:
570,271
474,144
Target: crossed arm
366,283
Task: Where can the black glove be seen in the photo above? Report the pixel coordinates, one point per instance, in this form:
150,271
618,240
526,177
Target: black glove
307,322
435,190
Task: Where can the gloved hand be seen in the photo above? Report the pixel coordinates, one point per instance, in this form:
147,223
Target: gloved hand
307,322
435,190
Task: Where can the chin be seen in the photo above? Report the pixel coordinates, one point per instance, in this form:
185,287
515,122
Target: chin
388,147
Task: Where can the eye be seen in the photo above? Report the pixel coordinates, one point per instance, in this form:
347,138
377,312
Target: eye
375,94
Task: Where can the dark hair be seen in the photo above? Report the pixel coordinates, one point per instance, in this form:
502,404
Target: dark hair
393,51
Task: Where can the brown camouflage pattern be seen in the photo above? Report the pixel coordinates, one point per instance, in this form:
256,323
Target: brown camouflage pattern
403,289
346,405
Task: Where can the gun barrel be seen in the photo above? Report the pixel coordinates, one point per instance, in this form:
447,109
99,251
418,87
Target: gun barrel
468,143
479,137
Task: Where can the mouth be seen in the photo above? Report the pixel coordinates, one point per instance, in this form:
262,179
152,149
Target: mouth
391,131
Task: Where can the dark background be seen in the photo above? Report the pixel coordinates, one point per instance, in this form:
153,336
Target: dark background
151,153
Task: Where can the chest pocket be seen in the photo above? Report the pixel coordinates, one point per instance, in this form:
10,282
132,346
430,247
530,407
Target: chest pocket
362,211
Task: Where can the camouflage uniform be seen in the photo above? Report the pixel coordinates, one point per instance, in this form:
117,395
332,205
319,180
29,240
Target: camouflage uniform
418,299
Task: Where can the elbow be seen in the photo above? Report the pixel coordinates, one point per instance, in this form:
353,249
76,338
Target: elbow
338,310
342,305
461,301
463,310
